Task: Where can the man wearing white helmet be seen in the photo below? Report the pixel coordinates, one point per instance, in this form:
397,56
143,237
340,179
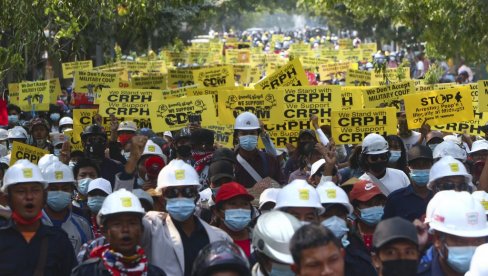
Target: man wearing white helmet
16,134
271,244
120,139
57,211
456,234
449,174
374,160
65,123
253,165
27,246
449,148
121,220
301,200
172,240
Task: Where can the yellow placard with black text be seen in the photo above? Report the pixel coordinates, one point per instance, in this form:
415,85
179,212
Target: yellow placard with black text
473,127
13,93
24,151
69,68
132,103
483,95
389,95
291,74
214,76
149,82
34,96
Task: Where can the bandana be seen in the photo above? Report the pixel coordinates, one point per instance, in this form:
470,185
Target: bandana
124,138
94,227
202,158
20,220
120,265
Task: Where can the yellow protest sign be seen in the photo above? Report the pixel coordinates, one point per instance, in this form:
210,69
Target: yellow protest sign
351,55
313,63
389,95
393,75
350,98
24,151
214,76
54,90
223,135
282,137
483,95
180,77
439,107
13,93
469,127
34,96
350,127
358,77
233,56
176,92
69,68
132,103
333,70
473,87
149,82
242,73
173,114
291,74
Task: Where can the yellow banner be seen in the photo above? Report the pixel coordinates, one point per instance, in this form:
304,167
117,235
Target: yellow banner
149,82
93,82
175,93
54,90
180,77
13,93
392,74
439,107
358,77
173,114
242,73
34,96
389,95
350,127
292,74
24,151
233,56
223,135
157,66
132,103
483,95
470,127
220,76
333,70
69,68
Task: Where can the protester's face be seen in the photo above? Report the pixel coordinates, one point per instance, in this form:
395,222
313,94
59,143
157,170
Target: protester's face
322,260
307,214
27,199
39,132
238,202
457,183
395,251
306,139
420,164
63,187
479,155
87,172
442,241
394,145
242,132
334,210
123,233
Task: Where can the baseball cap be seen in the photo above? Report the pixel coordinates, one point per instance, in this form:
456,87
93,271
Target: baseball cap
141,194
220,169
316,166
393,229
479,145
100,184
419,152
364,190
268,195
168,133
434,137
374,144
230,190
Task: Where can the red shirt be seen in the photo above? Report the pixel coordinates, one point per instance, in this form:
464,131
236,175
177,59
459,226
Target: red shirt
245,245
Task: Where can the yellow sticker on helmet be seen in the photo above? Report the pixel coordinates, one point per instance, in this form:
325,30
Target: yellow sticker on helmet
331,193
303,194
151,148
485,204
180,174
58,175
126,201
27,172
454,167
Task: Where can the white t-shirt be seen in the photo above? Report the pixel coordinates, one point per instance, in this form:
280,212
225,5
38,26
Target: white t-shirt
393,179
420,69
412,140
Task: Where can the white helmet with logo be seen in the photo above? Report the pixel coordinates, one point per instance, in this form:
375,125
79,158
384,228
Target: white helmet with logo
23,171
298,193
65,121
467,219
330,193
272,235
436,199
246,121
449,148
3,134
127,126
374,144
120,201
177,173
448,166
57,172
46,160
482,197
152,148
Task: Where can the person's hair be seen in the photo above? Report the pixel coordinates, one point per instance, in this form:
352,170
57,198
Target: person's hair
401,163
202,136
14,107
354,157
310,236
83,163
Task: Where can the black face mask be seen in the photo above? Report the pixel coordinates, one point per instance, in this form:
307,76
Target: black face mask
95,151
400,268
378,167
306,147
184,151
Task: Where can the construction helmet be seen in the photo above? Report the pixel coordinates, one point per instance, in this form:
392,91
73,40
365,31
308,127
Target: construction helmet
447,166
93,130
482,197
374,144
177,173
247,121
17,132
120,201
449,148
467,219
23,171
46,160
57,172
65,121
274,241
330,193
436,199
152,148
221,255
127,126
298,193
3,134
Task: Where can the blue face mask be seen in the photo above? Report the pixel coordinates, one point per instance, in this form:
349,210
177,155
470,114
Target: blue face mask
58,200
394,156
237,219
281,270
54,117
180,208
13,119
459,257
336,225
420,177
95,203
372,215
83,185
248,142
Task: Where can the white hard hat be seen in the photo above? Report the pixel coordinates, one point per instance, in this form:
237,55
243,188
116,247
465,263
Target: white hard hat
316,166
330,193
482,197
467,219
100,184
23,171
479,265
168,133
46,160
121,201
449,148
479,145
273,241
152,148
298,193
5,160
447,166
246,121
3,134
141,194
17,132
436,199
374,144
58,138
177,173
127,126
268,195
57,172
65,121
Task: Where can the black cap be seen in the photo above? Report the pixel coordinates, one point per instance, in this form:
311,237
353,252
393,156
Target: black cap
419,152
393,229
224,154
220,169
307,132
202,136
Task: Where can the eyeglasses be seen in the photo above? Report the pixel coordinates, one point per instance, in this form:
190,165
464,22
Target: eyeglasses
96,140
446,186
172,192
376,157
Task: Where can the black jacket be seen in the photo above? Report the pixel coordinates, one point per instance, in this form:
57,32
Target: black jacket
95,267
358,260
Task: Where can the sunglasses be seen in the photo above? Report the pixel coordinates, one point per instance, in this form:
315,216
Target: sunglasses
376,157
446,186
188,192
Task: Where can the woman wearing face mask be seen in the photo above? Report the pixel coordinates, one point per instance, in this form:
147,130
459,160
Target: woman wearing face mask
305,145
368,202
39,131
98,190
398,154
233,212
14,114
54,117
